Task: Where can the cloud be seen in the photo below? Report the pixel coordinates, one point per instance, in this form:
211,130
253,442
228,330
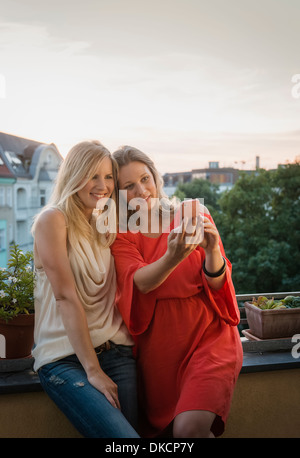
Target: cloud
212,79
229,149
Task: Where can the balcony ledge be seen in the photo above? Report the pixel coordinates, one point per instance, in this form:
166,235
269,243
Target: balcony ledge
265,403
267,393
28,381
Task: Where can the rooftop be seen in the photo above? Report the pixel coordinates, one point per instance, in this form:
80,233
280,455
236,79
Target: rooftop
19,156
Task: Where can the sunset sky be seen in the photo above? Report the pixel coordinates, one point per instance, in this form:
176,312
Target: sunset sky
186,81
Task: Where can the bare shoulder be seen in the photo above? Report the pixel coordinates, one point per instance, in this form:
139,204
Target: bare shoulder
51,217
50,238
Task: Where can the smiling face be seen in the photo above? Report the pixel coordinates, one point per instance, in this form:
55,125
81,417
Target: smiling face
138,181
99,186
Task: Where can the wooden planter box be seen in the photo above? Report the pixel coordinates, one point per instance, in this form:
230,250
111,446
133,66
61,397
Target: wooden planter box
272,324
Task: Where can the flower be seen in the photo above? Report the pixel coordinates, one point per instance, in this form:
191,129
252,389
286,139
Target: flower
17,284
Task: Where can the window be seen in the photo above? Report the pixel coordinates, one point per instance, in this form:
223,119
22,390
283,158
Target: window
9,196
2,196
10,233
42,197
213,165
2,240
21,198
15,162
22,233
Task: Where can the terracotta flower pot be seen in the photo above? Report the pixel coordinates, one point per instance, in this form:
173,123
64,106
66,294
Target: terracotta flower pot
272,324
18,336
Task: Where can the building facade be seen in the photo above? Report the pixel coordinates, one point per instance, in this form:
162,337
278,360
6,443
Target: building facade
27,172
225,177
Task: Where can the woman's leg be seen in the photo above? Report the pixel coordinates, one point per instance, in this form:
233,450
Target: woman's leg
88,409
193,424
119,364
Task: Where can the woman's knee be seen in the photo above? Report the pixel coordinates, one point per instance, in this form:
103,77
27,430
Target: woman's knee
193,424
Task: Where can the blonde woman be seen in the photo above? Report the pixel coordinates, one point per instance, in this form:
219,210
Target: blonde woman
83,351
178,301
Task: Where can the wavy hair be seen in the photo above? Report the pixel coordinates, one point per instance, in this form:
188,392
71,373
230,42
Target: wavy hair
124,155
76,170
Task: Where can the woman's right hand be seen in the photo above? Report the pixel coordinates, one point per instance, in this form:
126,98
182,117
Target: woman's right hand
181,243
106,386
151,276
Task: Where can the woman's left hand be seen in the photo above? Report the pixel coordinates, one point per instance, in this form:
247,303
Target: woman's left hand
210,240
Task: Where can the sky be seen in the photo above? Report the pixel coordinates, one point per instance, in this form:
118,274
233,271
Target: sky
185,81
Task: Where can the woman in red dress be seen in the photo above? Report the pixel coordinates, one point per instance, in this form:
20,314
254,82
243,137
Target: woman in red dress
178,301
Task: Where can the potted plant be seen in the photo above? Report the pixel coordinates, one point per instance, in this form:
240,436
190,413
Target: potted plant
17,305
273,319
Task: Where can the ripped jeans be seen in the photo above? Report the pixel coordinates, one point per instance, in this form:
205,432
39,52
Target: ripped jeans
66,383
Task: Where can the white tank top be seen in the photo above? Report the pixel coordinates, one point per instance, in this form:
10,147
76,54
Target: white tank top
95,277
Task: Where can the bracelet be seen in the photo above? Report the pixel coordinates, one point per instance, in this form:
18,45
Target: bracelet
215,274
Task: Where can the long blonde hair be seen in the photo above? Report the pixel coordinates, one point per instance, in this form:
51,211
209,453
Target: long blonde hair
78,167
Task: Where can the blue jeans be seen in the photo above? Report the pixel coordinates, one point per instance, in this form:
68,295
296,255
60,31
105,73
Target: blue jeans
66,383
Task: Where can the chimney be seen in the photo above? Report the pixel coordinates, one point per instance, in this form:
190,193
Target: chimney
257,162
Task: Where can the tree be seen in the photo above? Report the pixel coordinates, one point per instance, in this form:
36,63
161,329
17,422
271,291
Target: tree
199,188
259,222
286,219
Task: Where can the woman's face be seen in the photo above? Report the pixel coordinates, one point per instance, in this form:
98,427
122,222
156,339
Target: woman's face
138,181
100,186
